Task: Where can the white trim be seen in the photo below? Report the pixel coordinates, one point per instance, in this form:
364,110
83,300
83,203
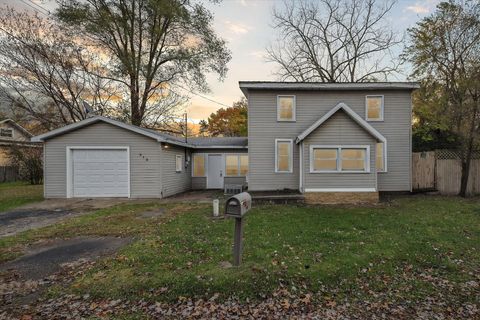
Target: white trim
290,169
340,190
294,107
69,171
179,156
339,158
382,107
300,184
219,147
351,113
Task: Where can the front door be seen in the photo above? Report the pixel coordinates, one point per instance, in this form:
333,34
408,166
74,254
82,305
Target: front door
215,171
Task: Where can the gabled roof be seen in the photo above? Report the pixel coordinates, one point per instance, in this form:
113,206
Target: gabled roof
322,86
16,125
342,106
143,131
200,143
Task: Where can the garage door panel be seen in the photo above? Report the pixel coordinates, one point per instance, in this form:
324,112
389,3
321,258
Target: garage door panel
100,173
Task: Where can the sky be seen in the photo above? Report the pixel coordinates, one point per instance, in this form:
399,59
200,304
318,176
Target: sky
246,26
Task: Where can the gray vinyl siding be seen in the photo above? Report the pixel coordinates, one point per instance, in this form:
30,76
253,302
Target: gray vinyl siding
145,164
174,182
199,183
310,106
340,129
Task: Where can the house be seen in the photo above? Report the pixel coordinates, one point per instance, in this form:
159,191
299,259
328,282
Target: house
332,142
102,157
11,133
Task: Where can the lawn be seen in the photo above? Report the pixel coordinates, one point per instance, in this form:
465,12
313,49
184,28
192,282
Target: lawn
14,194
404,246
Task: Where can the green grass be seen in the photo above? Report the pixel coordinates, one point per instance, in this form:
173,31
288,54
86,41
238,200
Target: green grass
308,248
294,246
15,194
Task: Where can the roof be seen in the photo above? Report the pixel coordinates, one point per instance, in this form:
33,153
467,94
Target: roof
158,136
220,142
319,86
341,106
16,125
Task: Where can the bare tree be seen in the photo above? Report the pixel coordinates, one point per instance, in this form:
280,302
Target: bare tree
47,73
152,45
334,41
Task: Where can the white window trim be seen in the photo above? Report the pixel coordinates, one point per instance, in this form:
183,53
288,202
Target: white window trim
177,169
238,155
382,107
385,156
205,165
10,129
290,169
69,160
339,158
294,108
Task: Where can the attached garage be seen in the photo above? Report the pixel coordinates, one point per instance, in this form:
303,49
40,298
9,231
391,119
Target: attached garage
102,157
98,172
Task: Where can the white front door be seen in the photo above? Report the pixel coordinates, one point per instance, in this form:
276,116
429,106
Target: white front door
215,171
100,173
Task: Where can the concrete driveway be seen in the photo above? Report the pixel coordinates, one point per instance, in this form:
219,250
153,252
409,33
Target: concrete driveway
51,211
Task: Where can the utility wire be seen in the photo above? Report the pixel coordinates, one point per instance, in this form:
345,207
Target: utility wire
201,96
34,8
39,6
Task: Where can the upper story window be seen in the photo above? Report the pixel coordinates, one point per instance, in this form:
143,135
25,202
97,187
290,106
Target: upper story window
374,108
236,165
178,163
286,108
339,159
198,165
6,133
283,155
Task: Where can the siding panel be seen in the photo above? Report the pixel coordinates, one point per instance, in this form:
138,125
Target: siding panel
175,182
264,129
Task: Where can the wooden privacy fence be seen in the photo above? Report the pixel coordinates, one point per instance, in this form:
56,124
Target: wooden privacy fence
441,170
8,174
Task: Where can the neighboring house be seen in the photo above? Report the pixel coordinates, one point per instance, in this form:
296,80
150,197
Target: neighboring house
332,142
11,133
101,157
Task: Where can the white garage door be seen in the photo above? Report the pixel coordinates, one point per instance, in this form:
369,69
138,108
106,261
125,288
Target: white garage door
100,173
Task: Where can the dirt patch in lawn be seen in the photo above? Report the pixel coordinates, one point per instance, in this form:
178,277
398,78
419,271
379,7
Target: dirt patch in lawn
52,262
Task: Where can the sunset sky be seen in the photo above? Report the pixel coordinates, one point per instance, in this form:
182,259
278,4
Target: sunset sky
246,25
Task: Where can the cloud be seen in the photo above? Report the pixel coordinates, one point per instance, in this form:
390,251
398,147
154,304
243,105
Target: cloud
418,9
422,7
237,28
258,54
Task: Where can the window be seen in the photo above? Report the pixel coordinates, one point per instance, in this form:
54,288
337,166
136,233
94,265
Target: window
353,159
6,132
325,159
199,165
178,163
236,165
380,155
286,108
339,159
283,155
374,108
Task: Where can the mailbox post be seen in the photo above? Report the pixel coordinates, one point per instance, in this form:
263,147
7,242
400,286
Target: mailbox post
236,207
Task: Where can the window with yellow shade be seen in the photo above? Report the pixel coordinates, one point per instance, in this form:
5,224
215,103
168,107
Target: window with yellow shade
374,108
199,165
236,165
283,155
380,157
286,108
324,159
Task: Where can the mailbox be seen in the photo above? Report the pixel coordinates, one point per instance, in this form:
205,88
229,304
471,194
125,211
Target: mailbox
238,205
